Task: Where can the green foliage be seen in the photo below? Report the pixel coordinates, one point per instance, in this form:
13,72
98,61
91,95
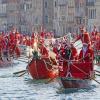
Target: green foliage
35,55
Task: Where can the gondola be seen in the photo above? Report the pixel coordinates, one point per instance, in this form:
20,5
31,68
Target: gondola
76,74
41,68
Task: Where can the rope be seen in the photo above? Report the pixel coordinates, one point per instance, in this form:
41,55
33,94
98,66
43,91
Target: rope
47,67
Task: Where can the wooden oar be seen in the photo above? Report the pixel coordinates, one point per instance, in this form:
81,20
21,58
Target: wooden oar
50,80
19,72
97,74
22,74
22,60
97,71
95,80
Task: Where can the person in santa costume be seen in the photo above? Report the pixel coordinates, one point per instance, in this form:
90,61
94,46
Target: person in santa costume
74,53
94,34
32,40
86,54
84,36
43,51
1,51
55,50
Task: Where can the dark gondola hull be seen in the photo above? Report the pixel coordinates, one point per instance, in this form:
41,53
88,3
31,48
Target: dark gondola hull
75,83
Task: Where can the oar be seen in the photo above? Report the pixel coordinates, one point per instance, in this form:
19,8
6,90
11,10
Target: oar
22,74
97,71
22,60
95,80
97,74
19,72
50,80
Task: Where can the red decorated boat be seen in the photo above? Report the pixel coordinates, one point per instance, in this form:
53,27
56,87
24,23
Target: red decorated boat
41,69
76,74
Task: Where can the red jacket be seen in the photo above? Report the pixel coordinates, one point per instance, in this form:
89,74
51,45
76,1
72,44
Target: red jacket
74,54
44,51
42,34
85,38
55,50
97,44
88,56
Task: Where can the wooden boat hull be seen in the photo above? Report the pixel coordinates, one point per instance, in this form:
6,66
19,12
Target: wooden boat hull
41,69
75,83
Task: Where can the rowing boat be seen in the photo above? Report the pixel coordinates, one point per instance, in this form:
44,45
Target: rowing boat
76,74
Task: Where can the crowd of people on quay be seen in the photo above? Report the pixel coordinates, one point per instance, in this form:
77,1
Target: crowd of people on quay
63,47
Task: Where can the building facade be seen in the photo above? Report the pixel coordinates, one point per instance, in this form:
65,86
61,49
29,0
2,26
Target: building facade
26,15
93,14
3,15
80,14
59,16
12,14
64,13
70,25
48,15
35,14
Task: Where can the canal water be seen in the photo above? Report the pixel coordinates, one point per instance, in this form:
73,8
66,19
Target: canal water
24,88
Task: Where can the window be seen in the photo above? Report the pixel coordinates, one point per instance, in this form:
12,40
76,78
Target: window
4,1
22,6
90,2
92,14
69,29
70,19
55,4
36,20
63,18
45,5
80,20
46,19
27,6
